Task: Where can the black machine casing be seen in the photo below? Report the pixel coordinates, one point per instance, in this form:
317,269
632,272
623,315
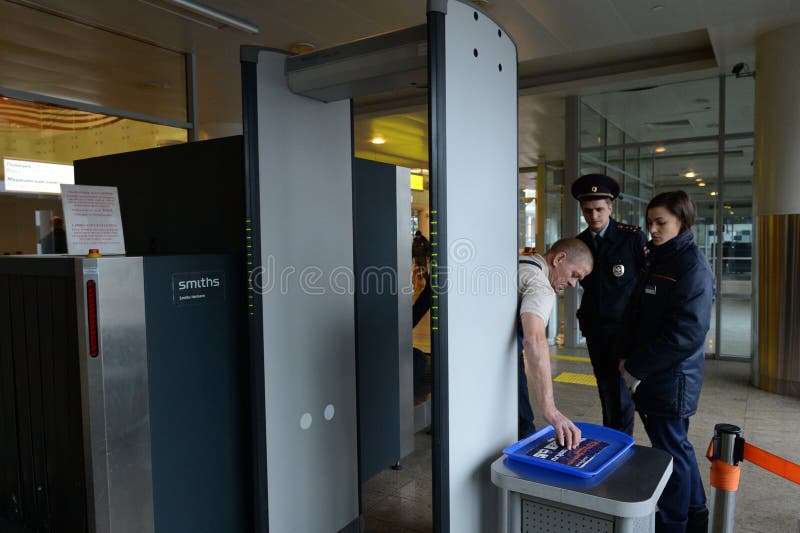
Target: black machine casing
152,432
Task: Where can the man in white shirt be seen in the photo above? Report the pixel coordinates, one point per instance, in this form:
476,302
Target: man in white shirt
540,277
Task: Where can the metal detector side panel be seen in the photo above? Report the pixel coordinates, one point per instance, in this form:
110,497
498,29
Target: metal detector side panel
405,327
478,215
306,247
384,314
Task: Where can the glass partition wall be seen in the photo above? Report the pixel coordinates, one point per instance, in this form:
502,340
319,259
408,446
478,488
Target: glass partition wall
695,136
48,133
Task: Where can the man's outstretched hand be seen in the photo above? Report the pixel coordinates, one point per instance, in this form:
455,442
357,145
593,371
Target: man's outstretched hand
567,433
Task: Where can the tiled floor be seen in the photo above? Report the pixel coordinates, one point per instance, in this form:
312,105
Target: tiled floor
400,501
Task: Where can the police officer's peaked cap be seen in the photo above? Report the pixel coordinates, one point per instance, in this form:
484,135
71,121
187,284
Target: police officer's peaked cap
595,187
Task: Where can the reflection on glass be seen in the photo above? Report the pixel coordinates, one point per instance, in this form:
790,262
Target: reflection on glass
47,133
552,223
593,162
736,204
51,232
650,132
646,164
631,167
711,349
615,159
739,104
592,127
615,134
674,111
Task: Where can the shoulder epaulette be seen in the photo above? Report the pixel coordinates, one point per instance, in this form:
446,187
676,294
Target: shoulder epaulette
629,228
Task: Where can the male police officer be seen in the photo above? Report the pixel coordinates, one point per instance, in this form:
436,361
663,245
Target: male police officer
618,251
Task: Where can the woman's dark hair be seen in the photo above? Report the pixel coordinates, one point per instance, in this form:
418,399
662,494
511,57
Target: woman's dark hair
679,204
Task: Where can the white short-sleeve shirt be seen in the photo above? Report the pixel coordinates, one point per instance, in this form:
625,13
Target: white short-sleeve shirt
536,294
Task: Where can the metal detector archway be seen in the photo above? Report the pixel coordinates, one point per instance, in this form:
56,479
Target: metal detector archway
298,144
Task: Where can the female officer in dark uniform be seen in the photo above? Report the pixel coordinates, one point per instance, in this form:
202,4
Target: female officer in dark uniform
663,352
618,251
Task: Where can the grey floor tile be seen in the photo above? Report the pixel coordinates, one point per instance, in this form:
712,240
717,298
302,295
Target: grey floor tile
405,513
420,489
389,481
373,525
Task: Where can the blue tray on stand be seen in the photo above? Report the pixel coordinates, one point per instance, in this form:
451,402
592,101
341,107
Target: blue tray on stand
600,446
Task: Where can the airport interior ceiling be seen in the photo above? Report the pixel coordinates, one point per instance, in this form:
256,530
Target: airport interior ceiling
127,55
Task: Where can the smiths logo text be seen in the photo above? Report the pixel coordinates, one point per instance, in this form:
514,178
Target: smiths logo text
197,287
198,284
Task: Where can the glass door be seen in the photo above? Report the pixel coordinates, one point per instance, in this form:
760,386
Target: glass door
735,293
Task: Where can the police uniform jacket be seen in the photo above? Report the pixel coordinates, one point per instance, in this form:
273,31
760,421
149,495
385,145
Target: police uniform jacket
666,326
607,289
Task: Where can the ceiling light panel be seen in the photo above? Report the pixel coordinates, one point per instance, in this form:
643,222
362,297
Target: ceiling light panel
202,14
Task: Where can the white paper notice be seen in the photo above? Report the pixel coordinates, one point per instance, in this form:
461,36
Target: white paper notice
93,219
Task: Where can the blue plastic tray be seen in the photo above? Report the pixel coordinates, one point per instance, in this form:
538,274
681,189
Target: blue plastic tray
600,446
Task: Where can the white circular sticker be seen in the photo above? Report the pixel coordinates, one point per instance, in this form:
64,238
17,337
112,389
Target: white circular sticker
305,421
329,411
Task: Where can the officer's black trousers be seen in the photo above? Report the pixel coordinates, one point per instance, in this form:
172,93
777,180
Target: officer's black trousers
614,396
682,505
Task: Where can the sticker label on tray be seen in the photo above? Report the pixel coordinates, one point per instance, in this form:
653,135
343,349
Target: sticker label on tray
576,458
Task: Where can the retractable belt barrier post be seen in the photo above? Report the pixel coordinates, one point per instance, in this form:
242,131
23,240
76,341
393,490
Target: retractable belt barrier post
724,457
725,451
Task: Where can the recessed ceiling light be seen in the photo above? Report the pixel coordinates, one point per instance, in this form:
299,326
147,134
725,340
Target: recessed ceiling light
377,140
690,174
713,193
661,149
701,184
698,180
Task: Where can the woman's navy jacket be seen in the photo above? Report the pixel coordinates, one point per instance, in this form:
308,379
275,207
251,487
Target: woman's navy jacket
666,327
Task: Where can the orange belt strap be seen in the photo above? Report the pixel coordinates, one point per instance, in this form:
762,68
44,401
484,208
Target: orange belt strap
777,465
726,477
723,476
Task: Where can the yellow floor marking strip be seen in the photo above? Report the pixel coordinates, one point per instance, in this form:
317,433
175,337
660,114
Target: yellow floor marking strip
578,379
571,358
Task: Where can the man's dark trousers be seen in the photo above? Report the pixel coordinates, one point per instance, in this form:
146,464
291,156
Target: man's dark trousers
615,399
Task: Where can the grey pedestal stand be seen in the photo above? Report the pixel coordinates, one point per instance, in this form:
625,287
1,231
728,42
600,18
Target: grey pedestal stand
621,499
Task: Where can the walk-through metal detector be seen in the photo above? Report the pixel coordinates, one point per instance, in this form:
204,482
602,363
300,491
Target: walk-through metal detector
299,152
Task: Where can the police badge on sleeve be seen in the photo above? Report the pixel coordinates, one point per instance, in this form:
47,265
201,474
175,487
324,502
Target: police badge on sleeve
618,270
